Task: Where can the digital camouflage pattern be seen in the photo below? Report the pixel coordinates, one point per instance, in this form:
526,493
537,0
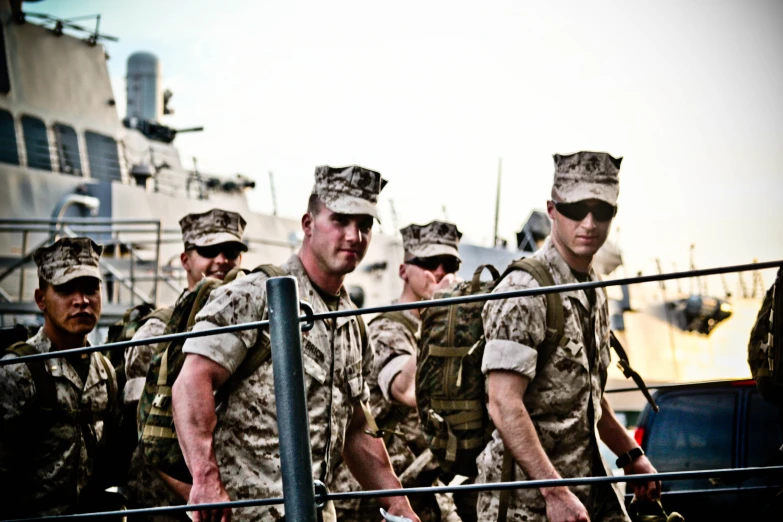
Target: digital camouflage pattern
212,228
436,238
336,368
67,259
138,358
47,458
394,344
563,399
145,487
349,190
587,175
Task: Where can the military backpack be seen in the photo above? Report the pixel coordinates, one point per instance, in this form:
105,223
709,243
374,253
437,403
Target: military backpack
450,386
155,422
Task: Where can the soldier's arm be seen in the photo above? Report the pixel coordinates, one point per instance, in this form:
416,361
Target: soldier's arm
514,328
139,358
369,463
395,361
403,387
508,412
195,419
614,434
209,361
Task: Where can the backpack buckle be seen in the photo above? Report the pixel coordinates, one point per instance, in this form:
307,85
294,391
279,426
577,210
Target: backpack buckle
161,401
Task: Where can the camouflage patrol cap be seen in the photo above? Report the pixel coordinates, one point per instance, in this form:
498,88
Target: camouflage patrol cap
587,175
67,259
437,238
349,190
213,227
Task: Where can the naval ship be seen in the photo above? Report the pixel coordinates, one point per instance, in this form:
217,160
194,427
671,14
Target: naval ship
70,165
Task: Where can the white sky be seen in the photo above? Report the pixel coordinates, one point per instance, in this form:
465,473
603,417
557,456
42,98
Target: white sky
432,93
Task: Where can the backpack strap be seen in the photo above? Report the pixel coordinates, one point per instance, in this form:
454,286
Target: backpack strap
555,315
45,392
398,317
111,385
161,314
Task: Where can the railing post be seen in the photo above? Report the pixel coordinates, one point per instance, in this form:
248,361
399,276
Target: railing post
292,421
21,269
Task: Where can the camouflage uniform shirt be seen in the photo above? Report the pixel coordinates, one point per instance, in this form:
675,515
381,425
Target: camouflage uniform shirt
139,358
246,437
563,399
46,462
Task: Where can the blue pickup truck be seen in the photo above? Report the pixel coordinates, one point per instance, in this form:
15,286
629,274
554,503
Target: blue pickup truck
714,426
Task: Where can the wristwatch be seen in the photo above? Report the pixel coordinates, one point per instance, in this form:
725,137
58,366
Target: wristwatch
626,458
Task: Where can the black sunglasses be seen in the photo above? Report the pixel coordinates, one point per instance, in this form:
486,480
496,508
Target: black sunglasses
211,252
601,211
450,263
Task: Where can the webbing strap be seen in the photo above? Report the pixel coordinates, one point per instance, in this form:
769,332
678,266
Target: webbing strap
163,372
464,405
441,443
159,432
459,421
373,430
506,475
449,351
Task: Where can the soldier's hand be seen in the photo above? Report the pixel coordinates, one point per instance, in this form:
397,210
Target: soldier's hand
399,506
650,490
446,281
209,494
564,506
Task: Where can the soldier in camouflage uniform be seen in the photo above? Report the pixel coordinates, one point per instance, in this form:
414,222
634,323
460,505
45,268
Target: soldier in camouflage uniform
431,259
549,416
213,247
48,458
234,453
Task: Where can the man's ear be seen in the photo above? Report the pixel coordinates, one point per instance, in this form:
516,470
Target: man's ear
184,258
307,224
550,209
40,299
403,272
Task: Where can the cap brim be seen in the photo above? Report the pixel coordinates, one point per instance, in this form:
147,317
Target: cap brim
76,273
585,191
219,239
352,206
434,249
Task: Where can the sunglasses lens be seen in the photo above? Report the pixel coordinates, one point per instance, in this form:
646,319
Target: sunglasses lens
212,252
450,263
578,211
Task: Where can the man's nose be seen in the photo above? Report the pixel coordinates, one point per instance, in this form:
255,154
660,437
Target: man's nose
352,232
221,258
80,299
589,221
439,273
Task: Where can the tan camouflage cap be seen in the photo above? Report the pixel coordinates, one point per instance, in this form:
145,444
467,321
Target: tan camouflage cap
67,259
587,175
214,227
437,238
349,190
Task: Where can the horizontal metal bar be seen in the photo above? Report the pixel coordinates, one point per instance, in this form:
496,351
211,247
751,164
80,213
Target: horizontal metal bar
78,220
678,385
544,290
450,301
77,228
138,342
494,486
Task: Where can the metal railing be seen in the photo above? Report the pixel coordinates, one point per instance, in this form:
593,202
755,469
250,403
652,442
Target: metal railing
299,489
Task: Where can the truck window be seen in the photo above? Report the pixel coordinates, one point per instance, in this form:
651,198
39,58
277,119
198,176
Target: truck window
764,437
693,431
